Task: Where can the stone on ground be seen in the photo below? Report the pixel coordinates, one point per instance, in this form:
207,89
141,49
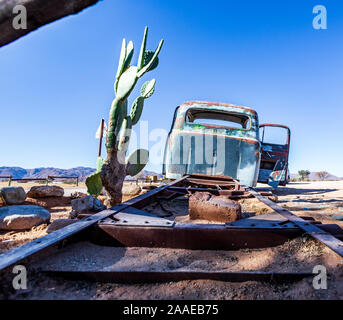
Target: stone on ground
13,195
86,204
78,195
22,217
45,191
131,190
59,224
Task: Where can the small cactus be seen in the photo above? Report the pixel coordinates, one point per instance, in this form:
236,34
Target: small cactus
93,182
121,122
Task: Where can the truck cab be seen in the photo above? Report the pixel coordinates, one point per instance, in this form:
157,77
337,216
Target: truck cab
220,139
216,139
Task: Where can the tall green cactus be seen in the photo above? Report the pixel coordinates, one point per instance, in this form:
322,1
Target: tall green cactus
120,123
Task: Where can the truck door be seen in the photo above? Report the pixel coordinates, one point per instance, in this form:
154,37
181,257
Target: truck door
275,141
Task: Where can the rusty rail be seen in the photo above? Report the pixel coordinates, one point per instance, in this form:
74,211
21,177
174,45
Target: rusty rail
324,237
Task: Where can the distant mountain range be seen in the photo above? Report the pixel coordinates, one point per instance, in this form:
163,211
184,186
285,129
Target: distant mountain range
313,176
81,172
84,172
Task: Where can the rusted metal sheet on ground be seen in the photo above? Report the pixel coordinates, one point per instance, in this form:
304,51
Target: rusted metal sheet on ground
133,277
313,230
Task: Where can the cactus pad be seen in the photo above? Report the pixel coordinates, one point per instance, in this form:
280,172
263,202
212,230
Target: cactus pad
94,184
148,89
147,57
136,110
127,82
136,161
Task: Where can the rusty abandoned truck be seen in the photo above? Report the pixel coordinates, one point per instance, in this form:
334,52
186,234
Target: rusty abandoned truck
220,139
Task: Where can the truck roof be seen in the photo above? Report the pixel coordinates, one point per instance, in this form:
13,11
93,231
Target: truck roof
211,104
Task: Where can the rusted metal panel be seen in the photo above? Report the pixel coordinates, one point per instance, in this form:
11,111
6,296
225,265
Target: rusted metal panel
191,236
212,149
167,276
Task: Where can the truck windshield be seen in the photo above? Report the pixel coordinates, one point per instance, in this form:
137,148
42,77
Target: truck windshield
218,119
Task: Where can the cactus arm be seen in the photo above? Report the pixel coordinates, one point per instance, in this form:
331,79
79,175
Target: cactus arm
147,67
129,55
117,114
141,53
122,58
125,134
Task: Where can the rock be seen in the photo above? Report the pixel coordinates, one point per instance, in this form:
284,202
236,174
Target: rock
85,204
59,224
204,205
78,195
107,203
45,191
273,198
98,206
73,214
82,204
131,190
22,217
102,199
13,195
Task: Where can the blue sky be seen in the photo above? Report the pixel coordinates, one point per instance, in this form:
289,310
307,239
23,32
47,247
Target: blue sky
57,83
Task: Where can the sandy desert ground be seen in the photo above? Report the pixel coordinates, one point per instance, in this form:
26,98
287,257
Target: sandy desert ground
321,200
